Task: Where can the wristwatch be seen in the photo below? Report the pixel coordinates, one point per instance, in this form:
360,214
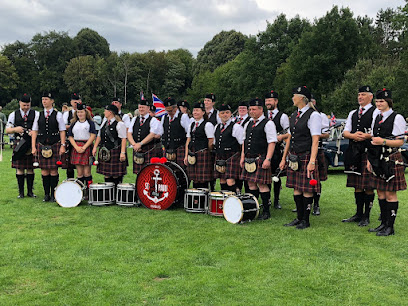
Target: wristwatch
63,144
384,142
270,159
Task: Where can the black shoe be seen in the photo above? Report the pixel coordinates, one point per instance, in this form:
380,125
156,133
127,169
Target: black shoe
276,205
293,223
52,199
316,210
364,222
379,217
388,231
47,198
303,224
264,216
294,210
20,196
354,218
377,229
31,195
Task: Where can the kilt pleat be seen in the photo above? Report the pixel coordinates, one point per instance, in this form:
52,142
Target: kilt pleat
50,163
321,160
395,184
232,169
114,167
298,180
81,158
362,181
202,171
25,163
260,176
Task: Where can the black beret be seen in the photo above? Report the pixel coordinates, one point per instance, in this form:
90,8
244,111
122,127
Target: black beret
210,96
152,108
224,107
184,103
169,102
112,108
243,103
271,94
365,88
47,95
145,102
383,94
199,105
26,98
114,99
75,96
302,90
82,106
257,102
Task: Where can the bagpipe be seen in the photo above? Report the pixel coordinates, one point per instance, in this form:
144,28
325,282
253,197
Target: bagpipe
23,147
354,154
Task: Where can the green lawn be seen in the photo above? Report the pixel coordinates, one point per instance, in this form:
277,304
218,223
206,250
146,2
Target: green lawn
118,255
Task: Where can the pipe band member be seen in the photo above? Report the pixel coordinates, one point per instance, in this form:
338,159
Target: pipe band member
20,123
142,136
175,126
125,117
48,145
200,141
386,162
260,138
184,108
281,121
81,135
111,140
301,150
357,130
229,137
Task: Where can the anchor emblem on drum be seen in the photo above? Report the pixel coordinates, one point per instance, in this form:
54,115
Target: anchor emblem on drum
154,198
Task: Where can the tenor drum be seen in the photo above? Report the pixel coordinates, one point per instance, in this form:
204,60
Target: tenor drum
69,193
240,208
101,194
196,200
216,202
126,195
160,186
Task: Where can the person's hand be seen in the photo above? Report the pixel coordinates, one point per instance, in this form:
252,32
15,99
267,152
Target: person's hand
242,161
310,168
369,167
62,150
19,129
122,157
282,164
137,146
94,151
266,164
359,136
33,150
185,161
377,141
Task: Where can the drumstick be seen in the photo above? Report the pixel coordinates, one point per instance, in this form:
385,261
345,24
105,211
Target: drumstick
276,177
312,182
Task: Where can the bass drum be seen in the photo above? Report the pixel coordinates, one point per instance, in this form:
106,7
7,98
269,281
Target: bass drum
159,186
69,193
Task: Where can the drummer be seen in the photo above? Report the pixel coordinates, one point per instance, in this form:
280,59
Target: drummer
142,133
302,147
20,123
242,119
175,125
81,135
112,142
387,124
48,144
200,141
229,137
256,156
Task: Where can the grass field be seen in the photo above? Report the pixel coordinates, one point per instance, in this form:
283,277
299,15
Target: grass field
117,255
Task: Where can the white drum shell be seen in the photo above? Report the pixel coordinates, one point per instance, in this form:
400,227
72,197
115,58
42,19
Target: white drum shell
101,194
69,193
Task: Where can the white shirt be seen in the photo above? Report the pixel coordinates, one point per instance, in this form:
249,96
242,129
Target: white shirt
270,129
314,123
12,119
214,112
399,122
125,119
65,116
348,126
209,128
60,120
82,130
237,131
155,126
325,123
120,127
284,120
184,121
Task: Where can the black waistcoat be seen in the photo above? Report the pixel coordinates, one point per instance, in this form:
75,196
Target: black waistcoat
174,134
225,142
276,119
255,138
199,139
141,132
364,123
19,120
105,140
384,129
213,118
301,140
48,131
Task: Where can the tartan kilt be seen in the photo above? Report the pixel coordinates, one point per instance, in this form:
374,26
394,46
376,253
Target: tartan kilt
276,159
150,151
321,161
50,163
395,184
202,171
260,176
25,163
180,153
232,169
298,180
362,181
68,164
114,167
81,158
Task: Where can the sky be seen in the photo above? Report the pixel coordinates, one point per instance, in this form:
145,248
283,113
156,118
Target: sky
139,26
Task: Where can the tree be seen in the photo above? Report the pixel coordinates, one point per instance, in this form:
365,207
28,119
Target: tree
8,79
89,42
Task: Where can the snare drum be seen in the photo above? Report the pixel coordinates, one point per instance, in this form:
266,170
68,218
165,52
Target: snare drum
69,193
125,195
216,202
196,200
241,208
101,194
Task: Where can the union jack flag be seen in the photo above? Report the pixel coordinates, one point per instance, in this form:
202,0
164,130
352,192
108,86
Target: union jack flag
141,95
160,110
332,120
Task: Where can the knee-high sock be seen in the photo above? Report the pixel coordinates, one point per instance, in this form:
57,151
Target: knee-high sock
316,198
224,186
30,182
368,204
232,188
46,184
255,192
299,206
20,182
266,200
276,190
383,209
53,183
307,206
392,212
359,196
70,173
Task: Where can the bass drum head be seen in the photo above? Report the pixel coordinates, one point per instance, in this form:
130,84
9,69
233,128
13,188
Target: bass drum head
233,209
158,187
68,194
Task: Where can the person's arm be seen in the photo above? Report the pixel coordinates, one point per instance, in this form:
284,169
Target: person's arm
63,140
98,140
186,151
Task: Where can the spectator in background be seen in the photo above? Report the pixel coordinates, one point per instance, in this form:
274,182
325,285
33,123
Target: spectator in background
3,121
